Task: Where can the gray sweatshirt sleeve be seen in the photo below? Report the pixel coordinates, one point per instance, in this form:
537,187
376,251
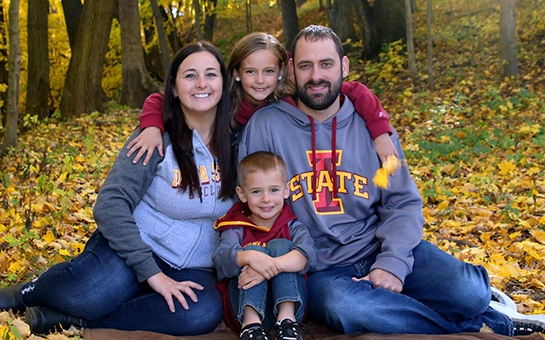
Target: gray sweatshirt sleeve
303,242
121,192
225,255
401,229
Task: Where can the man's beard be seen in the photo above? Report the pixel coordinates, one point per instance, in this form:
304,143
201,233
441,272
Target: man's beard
319,101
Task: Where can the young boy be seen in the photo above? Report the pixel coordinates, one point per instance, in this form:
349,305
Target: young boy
263,253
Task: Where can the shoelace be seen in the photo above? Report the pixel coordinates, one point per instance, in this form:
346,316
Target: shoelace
290,330
256,332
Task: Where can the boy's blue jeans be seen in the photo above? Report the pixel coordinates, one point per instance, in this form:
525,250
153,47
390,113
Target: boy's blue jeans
266,296
98,287
441,295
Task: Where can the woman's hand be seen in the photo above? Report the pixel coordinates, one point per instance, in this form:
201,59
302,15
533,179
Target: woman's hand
168,288
148,139
384,146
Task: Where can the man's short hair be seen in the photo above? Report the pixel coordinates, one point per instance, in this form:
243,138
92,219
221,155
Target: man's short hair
315,33
261,161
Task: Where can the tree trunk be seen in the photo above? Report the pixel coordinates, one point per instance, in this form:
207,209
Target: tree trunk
429,38
72,12
198,28
321,5
410,41
414,7
508,38
137,84
248,16
468,13
37,94
175,42
14,70
161,34
82,88
210,19
342,19
290,22
385,23
3,65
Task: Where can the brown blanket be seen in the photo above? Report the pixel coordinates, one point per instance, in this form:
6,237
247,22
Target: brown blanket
319,332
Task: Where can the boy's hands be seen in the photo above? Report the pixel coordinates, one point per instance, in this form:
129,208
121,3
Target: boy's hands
249,278
262,263
148,139
168,288
384,146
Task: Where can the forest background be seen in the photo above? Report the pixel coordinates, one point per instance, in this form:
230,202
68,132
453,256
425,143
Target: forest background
474,140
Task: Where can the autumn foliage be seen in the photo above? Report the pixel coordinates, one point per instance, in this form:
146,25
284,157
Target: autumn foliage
475,148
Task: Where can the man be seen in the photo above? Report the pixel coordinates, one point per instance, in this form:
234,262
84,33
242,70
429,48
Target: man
374,272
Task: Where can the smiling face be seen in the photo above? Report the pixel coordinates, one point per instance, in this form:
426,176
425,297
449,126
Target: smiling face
265,193
319,73
199,83
258,75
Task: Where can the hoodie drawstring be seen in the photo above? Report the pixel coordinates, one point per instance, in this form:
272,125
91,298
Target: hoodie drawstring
333,158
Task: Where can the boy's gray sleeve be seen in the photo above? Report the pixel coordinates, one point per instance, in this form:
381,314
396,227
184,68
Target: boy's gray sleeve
303,242
225,255
121,192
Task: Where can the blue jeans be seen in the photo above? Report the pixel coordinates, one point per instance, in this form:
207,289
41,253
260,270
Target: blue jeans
441,295
266,296
98,287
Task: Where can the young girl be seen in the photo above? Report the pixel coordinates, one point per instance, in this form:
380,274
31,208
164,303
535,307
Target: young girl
258,65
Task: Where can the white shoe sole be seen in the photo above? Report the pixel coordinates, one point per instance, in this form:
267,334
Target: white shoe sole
537,319
503,299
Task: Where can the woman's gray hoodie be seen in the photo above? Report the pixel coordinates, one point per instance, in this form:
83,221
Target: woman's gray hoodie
141,211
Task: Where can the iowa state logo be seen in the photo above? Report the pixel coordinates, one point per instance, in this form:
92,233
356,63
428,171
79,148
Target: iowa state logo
325,203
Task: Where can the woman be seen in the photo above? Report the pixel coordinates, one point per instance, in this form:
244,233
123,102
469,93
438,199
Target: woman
148,266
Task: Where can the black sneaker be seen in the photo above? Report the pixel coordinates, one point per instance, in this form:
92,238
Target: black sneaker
287,329
527,328
254,331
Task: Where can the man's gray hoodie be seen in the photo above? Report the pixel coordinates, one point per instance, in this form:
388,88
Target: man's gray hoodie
347,215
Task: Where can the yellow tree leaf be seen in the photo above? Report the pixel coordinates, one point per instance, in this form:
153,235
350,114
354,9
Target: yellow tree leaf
49,237
506,167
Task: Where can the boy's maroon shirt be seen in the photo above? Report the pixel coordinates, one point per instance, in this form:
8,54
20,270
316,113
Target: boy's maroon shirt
237,217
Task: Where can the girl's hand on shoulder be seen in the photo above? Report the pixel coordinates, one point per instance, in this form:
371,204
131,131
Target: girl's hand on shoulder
170,288
148,139
385,147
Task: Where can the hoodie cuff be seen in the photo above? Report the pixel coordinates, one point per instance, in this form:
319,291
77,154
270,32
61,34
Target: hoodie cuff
394,266
145,270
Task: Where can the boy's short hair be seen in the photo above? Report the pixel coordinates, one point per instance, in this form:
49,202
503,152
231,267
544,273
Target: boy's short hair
263,161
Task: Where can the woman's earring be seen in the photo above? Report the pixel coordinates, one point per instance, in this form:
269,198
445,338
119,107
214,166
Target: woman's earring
279,77
237,79
174,93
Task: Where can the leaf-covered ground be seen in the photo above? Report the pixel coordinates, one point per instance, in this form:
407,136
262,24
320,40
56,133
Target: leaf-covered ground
475,147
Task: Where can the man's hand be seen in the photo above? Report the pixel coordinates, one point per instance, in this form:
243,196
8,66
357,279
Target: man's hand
249,278
382,279
168,288
148,139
